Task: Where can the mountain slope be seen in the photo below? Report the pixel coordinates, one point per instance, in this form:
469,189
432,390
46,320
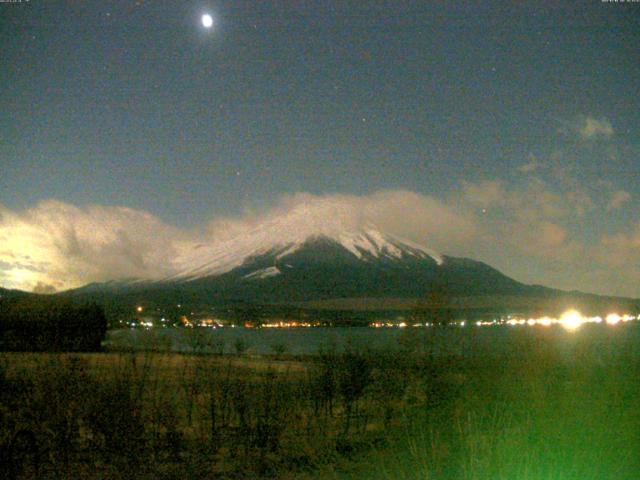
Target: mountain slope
324,268
346,265
206,261
10,294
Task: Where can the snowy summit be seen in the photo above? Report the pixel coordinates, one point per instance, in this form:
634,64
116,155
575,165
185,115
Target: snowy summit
364,245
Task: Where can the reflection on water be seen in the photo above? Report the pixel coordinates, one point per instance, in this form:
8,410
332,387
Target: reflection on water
603,338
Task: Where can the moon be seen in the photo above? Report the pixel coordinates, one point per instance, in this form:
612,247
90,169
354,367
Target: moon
207,20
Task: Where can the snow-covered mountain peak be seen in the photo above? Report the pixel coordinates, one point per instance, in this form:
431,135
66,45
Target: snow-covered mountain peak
373,243
221,257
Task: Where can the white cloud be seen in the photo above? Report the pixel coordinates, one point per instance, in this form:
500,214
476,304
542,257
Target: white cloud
590,128
408,214
484,194
57,245
520,229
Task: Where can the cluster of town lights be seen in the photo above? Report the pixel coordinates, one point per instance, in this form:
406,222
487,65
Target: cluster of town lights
290,324
570,320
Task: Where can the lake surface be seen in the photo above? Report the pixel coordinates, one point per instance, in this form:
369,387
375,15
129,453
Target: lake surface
600,339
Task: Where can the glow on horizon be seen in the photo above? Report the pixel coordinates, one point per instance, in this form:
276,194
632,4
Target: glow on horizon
613,318
571,319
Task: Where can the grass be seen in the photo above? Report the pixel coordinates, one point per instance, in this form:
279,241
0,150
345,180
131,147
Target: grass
535,409
540,416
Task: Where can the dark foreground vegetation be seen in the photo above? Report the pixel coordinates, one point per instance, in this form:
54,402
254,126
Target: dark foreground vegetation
34,323
529,411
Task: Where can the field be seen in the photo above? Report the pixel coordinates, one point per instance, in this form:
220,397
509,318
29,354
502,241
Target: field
549,405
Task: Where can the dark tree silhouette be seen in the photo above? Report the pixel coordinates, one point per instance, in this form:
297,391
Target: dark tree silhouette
50,324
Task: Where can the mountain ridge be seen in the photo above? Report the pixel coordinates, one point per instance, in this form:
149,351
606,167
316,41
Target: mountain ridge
221,258
321,266
359,271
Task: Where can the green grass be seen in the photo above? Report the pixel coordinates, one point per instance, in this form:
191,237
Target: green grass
536,417
547,406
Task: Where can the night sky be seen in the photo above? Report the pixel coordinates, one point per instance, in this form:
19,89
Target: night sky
509,134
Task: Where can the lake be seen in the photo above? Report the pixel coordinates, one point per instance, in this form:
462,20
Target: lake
600,339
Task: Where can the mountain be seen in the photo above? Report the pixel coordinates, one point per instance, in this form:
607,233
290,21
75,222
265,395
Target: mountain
363,245
323,266
348,270
7,294
362,264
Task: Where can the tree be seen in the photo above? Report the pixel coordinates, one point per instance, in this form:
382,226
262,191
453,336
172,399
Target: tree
36,324
434,308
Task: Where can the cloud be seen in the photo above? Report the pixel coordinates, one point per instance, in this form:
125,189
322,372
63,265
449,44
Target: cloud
590,128
524,221
619,254
484,194
63,246
619,248
533,165
55,245
529,229
420,218
529,167
618,198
